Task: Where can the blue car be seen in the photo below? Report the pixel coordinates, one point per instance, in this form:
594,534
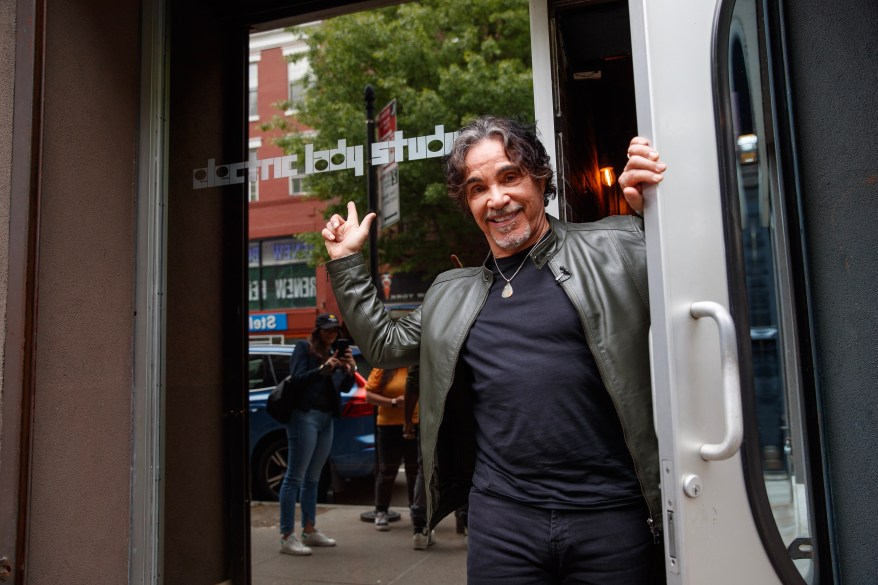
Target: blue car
353,442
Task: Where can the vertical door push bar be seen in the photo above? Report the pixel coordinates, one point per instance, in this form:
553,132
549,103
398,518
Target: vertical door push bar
731,381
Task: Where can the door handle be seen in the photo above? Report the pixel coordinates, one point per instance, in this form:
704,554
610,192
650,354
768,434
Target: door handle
728,347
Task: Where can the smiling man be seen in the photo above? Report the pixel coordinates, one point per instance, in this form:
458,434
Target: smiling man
534,378
503,198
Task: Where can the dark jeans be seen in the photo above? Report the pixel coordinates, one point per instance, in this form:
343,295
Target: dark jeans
515,544
393,449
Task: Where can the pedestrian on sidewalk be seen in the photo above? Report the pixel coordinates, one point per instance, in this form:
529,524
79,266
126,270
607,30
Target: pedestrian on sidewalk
423,536
318,373
386,389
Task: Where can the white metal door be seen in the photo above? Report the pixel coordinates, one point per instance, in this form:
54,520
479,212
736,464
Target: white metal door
710,535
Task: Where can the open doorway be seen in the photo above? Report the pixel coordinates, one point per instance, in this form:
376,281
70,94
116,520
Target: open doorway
595,113
431,67
480,77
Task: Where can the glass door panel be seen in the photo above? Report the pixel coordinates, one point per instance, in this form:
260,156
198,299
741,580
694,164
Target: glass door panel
432,66
764,254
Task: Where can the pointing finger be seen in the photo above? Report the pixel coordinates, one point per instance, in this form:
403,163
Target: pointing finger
353,217
367,221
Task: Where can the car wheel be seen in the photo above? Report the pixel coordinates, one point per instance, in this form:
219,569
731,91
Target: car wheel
271,467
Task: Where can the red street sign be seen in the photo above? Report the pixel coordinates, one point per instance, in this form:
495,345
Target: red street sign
385,122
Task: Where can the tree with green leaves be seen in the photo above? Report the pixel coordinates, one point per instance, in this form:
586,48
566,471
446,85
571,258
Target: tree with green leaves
445,62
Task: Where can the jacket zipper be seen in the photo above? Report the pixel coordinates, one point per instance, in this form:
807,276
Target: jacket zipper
561,280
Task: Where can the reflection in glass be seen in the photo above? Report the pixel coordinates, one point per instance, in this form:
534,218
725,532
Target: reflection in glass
253,91
774,383
432,65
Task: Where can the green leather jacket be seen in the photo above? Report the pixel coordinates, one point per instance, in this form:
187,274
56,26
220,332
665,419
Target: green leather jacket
602,268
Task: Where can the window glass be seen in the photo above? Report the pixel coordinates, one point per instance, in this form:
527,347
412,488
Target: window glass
259,374
441,62
297,185
313,76
296,72
281,366
279,276
769,297
253,90
297,91
253,186
255,284
288,285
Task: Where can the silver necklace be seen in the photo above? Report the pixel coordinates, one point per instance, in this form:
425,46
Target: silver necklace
507,290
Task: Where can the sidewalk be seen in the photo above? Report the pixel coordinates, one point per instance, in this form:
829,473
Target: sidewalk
363,556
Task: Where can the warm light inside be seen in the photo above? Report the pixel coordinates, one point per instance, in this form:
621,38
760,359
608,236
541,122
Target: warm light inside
608,176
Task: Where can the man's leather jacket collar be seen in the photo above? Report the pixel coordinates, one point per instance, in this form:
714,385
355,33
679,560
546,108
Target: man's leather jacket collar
547,246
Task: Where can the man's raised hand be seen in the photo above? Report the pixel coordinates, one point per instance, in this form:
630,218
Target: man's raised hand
644,167
344,237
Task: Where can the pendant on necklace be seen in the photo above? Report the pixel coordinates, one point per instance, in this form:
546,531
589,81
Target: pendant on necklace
507,291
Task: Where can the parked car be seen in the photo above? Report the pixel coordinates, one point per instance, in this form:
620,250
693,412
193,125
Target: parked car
353,442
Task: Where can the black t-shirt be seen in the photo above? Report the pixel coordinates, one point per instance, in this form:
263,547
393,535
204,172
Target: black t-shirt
547,432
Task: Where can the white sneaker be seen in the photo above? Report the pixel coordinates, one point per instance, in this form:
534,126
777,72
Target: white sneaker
293,546
422,540
317,538
381,522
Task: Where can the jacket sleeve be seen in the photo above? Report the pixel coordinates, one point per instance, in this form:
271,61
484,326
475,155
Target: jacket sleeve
343,382
300,371
632,246
385,342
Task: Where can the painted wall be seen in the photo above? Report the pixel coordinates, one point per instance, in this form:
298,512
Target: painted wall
835,84
78,528
79,514
7,88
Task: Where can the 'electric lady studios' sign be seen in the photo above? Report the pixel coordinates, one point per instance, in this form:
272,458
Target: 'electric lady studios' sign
343,157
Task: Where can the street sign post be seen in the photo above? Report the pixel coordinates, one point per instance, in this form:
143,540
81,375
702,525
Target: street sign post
389,187
388,175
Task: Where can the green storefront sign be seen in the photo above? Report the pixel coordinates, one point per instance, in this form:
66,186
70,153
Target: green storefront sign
279,279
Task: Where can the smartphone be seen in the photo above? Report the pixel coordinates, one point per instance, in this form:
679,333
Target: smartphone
341,345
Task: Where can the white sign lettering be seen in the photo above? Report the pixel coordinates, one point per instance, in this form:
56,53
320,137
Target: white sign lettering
295,288
343,157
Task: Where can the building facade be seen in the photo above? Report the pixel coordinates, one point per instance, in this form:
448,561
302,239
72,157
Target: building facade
284,293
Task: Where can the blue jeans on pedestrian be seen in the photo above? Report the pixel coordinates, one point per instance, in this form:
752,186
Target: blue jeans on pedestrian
309,438
511,543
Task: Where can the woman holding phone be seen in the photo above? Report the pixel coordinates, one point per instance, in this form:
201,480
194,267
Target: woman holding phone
318,373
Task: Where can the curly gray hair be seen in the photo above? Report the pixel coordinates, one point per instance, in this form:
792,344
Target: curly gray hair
522,146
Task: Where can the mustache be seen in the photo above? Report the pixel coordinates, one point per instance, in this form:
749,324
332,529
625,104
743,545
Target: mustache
511,208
